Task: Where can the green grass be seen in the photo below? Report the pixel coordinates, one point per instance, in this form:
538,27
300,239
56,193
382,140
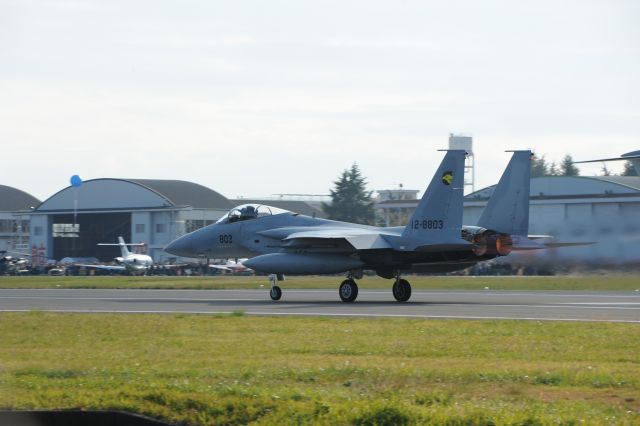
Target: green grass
588,282
236,369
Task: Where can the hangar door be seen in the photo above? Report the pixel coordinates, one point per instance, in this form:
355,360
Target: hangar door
81,239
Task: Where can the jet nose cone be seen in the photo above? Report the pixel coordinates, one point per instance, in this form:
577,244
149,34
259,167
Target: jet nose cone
180,246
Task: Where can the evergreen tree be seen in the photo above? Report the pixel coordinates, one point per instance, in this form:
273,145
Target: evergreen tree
350,201
553,170
539,167
629,170
567,168
605,170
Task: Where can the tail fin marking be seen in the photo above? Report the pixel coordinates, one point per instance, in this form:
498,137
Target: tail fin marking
438,217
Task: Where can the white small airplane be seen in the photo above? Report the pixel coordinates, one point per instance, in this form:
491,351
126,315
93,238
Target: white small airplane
231,266
131,263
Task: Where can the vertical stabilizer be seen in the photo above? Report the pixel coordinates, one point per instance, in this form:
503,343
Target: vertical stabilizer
438,217
508,208
123,247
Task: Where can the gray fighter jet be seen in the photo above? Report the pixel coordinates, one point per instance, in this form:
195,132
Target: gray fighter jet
632,157
280,242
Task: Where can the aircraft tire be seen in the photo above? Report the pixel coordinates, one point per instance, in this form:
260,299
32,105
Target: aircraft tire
402,290
348,291
275,293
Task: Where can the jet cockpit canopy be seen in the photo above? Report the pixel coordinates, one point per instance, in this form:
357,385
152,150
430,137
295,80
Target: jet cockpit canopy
249,212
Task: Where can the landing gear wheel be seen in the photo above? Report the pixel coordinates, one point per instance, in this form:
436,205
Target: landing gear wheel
348,291
402,290
275,293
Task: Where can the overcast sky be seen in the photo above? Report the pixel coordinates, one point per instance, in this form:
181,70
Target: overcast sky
253,98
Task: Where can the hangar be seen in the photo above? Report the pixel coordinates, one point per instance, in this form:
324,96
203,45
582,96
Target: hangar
15,207
73,221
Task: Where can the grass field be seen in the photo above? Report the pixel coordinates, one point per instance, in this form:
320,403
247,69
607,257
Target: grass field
236,369
589,282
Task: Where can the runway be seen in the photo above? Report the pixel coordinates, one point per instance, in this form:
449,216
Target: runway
528,305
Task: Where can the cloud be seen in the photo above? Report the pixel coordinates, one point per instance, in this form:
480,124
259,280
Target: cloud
109,133
280,97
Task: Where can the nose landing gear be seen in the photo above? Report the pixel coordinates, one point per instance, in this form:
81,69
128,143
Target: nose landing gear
276,292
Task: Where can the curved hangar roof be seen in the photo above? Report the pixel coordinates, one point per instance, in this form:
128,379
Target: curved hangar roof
13,200
574,186
132,194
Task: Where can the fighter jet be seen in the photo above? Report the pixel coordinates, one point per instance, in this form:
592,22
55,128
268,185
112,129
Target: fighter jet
131,263
632,157
280,242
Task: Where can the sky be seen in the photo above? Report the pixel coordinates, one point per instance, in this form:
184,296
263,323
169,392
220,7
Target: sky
255,98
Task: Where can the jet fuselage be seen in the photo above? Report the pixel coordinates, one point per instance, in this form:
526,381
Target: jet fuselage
264,235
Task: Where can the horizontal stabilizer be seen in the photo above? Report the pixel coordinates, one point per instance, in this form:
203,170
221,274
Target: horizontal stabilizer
553,245
529,243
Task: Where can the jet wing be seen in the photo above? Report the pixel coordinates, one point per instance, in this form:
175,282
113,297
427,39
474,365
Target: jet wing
221,267
358,238
105,267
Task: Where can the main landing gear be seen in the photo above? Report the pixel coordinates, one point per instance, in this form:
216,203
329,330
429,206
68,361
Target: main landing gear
348,290
401,289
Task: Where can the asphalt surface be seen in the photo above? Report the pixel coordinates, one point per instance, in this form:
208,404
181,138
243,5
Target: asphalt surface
470,304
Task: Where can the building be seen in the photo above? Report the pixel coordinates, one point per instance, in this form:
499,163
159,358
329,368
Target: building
600,209
465,143
73,221
394,206
15,207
